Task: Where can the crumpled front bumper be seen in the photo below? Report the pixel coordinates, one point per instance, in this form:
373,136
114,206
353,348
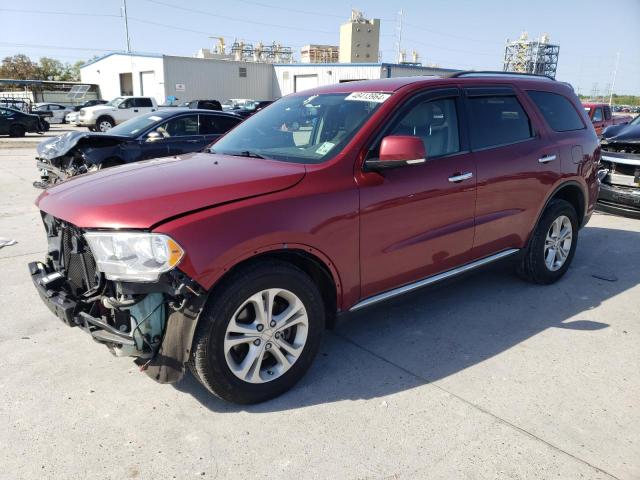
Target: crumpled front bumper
168,363
620,184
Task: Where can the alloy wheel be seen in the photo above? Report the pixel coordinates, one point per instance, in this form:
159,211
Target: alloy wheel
266,335
557,243
104,126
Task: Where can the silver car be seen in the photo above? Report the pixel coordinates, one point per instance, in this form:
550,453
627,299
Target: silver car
59,111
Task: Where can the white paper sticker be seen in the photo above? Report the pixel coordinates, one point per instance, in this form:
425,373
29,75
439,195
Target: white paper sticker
325,148
376,97
155,118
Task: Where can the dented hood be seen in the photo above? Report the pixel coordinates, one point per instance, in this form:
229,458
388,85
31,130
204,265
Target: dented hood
57,146
144,194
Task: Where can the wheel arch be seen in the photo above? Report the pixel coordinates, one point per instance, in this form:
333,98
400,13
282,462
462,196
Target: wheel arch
571,191
309,260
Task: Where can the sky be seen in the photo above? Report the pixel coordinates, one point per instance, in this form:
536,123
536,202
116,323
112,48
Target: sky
468,34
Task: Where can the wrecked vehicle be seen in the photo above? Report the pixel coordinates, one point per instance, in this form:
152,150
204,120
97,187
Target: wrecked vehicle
232,262
159,134
620,187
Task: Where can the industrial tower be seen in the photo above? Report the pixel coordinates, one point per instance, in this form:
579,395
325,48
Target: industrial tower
531,56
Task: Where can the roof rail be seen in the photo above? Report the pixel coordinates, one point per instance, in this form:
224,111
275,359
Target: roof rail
480,73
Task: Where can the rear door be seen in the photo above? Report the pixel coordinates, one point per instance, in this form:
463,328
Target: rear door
417,221
516,165
5,120
212,126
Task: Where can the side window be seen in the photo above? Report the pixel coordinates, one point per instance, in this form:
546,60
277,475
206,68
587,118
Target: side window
557,110
179,127
143,102
497,120
126,103
597,115
607,113
435,122
216,125
4,113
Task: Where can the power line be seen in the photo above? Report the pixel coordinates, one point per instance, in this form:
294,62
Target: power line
48,12
236,19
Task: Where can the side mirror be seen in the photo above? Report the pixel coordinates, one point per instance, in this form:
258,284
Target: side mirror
399,151
153,137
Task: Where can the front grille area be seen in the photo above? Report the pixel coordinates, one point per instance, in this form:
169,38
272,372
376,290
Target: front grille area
70,255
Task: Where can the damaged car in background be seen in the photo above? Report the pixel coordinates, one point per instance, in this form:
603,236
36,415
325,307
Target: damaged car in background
620,187
159,134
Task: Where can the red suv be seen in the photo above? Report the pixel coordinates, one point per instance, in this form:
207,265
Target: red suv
234,260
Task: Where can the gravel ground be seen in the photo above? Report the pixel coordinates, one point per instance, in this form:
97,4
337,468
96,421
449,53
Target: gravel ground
484,377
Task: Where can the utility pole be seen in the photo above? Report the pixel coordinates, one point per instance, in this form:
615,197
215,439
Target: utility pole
126,24
400,17
613,82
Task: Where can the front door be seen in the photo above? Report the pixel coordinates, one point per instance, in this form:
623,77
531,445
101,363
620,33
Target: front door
416,221
182,135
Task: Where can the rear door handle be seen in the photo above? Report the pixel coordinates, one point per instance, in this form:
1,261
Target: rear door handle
460,177
547,158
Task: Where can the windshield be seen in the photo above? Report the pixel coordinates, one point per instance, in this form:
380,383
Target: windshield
135,126
116,102
301,129
635,121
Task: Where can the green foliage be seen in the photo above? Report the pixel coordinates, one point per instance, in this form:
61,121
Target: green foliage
21,67
631,100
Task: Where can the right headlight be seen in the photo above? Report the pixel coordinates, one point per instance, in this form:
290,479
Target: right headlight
134,256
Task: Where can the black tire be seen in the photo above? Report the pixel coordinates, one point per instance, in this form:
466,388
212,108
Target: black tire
533,267
104,121
17,131
208,362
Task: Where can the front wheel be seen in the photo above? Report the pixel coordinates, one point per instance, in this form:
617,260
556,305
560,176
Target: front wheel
259,333
104,124
552,245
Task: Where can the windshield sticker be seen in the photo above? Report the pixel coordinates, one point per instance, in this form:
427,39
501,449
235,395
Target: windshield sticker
155,118
375,97
311,98
325,148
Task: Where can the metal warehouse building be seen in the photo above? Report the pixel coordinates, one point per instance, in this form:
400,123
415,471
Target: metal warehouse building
190,78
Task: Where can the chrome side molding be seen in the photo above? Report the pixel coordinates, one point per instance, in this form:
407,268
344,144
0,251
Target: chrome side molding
431,280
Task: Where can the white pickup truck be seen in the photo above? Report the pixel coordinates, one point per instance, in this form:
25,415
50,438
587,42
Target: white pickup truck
101,118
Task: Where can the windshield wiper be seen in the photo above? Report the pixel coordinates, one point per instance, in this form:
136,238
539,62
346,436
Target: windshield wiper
245,153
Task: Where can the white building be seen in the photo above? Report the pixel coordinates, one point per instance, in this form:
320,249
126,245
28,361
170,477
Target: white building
189,78
359,39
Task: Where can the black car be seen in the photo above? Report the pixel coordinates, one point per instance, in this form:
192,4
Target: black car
620,184
158,134
204,104
89,103
16,123
249,109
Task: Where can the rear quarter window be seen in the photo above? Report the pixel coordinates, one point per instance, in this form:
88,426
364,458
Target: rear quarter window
557,110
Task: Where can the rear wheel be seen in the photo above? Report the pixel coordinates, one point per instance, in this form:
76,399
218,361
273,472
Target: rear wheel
17,131
552,245
259,333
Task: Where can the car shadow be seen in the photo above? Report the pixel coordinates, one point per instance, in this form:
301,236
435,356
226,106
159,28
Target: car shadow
435,332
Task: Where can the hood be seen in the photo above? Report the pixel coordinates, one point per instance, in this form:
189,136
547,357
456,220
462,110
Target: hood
622,133
143,194
58,146
101,107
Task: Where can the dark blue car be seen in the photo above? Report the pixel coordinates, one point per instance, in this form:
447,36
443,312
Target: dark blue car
158,134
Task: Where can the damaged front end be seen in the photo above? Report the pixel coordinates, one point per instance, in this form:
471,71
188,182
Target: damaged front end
152,319
74,153
620,182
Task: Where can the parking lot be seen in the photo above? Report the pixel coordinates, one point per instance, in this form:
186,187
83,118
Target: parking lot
483,377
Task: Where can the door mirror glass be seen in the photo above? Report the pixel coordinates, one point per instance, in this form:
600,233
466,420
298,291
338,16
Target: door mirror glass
153,137
399,151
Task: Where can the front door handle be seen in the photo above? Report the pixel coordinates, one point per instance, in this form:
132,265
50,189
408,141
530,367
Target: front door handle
546,158
460,177
193,141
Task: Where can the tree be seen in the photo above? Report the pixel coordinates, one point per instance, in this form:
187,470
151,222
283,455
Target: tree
19,67
51,69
